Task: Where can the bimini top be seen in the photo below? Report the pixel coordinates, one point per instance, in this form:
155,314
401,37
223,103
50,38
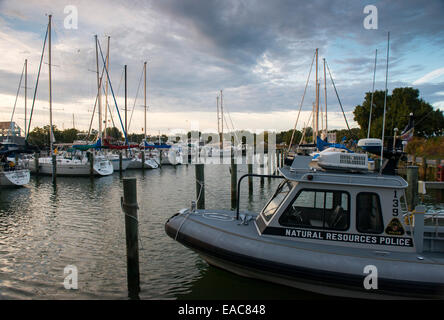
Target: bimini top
300,171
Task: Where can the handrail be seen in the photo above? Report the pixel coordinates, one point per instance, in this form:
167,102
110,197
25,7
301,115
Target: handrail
250,175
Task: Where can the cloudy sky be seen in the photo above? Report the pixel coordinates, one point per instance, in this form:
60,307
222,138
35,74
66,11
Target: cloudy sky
258,52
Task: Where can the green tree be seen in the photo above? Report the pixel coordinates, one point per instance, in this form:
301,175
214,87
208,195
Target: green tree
402,102
114,133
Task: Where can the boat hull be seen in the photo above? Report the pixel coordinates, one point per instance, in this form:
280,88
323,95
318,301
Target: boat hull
137,164
116,164
14,178
240,249
100,168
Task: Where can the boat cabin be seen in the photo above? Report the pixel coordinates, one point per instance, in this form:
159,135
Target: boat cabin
357,209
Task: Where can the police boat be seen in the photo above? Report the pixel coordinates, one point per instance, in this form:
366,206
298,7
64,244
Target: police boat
331,227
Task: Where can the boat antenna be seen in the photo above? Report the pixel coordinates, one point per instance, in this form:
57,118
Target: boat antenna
371,100
385,100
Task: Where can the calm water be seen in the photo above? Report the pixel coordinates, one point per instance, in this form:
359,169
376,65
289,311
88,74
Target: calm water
79,222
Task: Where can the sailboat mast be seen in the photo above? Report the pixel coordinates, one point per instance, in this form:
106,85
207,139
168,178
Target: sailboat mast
106,88
26,95
99,94
325,98
313,122
371,100
126,106
218,117
50,87
144,71
222,121
385,100
317,100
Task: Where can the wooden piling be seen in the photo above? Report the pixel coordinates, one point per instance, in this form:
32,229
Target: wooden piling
250,179
129,206
120,161
200,185
54,168
36,163
233,180
143,160
412,189
91,163
262,169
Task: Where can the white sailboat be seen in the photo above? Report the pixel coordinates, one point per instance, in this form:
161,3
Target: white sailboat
151,159
76,163
13,171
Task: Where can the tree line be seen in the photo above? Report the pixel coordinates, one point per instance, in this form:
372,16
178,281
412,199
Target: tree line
403,101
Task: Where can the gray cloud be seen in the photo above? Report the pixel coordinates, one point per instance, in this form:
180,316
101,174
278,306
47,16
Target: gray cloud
259,52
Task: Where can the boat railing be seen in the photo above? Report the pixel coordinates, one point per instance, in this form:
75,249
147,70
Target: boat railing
251,175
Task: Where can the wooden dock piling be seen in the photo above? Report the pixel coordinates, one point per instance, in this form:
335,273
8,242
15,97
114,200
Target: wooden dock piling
36,163
91,163
54,168
200,185
233,179
120,161
143,160
130,207
250,179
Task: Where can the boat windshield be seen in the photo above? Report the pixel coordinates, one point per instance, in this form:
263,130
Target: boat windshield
279,196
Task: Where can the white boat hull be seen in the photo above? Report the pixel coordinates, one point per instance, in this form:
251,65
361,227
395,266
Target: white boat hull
116,164
66,167
137,164
14,178
172,158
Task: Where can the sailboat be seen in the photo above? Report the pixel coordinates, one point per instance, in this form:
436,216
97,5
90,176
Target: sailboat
76,162
140,160
13,171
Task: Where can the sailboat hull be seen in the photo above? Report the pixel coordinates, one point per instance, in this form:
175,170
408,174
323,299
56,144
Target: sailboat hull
137,164
116,164
14,178
67,167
